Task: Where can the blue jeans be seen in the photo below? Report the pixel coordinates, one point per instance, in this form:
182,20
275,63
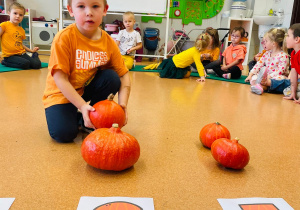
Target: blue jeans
63,119
278,86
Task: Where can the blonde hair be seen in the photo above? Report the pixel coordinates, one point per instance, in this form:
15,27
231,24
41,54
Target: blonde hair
16,5
278,35
70,2
129,13
202,42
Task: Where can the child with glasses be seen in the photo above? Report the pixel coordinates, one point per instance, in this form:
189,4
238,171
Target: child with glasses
234,56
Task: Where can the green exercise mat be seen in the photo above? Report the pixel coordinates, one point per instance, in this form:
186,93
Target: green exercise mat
6,69
195,74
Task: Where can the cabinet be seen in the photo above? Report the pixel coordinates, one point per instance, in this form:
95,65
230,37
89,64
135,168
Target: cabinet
25,24
247,24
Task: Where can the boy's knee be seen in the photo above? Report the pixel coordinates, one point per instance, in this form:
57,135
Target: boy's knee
113,79
36,65
25,65
64,135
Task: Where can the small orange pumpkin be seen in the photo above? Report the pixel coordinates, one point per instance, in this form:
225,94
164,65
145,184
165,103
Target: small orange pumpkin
110,149
106,113
230,153
211,132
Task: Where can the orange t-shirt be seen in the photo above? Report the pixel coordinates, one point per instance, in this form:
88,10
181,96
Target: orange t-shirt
12,39
233,53
79,57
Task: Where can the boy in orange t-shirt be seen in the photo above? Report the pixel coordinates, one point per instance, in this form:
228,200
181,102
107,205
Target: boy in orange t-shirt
85,66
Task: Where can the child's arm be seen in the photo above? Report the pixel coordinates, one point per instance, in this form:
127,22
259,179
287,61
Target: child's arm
226,67
137,47
62,81
29,50
294,84
124,93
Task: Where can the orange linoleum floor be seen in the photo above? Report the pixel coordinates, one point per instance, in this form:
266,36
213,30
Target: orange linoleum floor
165,116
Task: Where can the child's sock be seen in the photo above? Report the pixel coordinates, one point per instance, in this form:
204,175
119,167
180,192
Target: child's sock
35,55
257,89
227,76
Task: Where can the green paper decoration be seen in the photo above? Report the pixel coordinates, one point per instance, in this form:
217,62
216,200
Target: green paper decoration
191,11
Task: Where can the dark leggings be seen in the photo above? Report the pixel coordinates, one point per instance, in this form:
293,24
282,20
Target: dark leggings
62,119
235,71
251,65
22,62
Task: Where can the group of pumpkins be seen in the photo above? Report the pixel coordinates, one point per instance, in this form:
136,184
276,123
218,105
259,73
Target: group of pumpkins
109,148
225,151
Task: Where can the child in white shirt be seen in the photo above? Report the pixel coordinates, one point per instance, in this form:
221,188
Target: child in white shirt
129,40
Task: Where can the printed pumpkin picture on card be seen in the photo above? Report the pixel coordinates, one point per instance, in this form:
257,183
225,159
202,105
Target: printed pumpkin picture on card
118,205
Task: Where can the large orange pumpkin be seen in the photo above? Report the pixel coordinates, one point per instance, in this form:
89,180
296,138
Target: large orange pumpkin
230,153
211,132
110,149
106,113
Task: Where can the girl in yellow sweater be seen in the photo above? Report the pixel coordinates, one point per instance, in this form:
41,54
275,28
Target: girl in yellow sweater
179,65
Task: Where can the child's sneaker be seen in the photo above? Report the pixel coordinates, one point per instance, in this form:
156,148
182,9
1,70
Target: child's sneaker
257,89
287,91
227,76
210,71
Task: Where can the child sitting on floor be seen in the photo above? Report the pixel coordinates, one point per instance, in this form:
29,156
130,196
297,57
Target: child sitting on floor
258,56
210,56
129,40
178,66
272,65
12,36
293,41
234,56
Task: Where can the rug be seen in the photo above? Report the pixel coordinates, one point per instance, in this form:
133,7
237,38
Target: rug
195,74
6,69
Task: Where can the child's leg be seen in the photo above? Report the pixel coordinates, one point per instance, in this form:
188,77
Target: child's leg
35,62
235,72
217,69
128,61
104,83
16,61
251,65
62,122
278,86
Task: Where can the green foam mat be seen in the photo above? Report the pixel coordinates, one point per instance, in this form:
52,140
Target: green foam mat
195,74
6,69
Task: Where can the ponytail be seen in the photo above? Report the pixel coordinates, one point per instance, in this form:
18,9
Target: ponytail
202,42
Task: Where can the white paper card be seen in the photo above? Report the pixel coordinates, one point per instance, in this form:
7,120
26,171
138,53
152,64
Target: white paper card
5,203
93,203
251,203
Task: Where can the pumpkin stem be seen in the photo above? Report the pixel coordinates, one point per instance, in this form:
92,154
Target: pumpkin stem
217,123
236,139
111,97
115,125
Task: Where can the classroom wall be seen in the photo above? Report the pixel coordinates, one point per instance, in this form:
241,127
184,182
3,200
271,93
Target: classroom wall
47,8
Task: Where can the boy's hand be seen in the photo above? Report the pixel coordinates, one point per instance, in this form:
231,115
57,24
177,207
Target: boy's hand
256,57
291,97
129,51
125,110
85,110
202,79
35,49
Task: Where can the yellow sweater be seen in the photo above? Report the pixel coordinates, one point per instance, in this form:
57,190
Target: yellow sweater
187,57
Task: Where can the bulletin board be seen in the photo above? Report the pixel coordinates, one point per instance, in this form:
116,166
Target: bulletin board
138,6
191,11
